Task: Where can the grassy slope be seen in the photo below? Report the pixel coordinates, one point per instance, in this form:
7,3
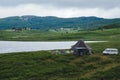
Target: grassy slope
45,66
110,34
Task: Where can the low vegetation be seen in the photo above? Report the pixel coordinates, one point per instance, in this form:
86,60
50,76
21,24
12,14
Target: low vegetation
36,35
46,66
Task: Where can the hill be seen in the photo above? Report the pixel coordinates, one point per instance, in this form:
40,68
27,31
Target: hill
50,22
114,25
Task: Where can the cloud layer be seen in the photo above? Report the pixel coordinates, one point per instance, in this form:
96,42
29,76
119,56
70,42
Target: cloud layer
66,3
60,8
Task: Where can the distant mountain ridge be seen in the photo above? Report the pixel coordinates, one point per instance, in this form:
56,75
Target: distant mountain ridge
51,22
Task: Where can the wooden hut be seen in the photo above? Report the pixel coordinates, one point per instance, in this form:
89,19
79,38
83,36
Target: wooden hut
81,48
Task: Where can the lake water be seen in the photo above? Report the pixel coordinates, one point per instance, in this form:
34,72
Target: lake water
19,46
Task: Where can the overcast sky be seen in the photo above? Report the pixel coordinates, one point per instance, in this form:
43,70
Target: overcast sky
61,8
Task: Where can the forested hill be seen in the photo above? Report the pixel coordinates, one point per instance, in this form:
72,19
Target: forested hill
114,25
50,22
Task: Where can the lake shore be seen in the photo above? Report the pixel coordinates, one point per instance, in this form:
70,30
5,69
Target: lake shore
26,46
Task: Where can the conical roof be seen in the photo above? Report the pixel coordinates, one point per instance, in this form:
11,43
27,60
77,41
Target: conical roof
81,44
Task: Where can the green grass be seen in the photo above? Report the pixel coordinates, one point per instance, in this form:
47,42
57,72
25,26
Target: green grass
36,35
45,66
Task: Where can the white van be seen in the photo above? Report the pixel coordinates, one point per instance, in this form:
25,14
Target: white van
110,51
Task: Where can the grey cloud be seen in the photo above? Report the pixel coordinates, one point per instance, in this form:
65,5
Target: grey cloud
105,4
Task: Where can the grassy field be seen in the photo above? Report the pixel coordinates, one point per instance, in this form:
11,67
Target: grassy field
45,66
36,35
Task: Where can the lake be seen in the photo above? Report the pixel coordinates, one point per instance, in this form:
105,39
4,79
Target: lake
19,46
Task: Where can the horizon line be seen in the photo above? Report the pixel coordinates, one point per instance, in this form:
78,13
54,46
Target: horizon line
55,16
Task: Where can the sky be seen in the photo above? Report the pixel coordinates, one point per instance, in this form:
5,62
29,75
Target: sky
61,8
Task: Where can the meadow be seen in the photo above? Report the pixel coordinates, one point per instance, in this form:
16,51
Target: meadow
37,35
43,65
46,66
